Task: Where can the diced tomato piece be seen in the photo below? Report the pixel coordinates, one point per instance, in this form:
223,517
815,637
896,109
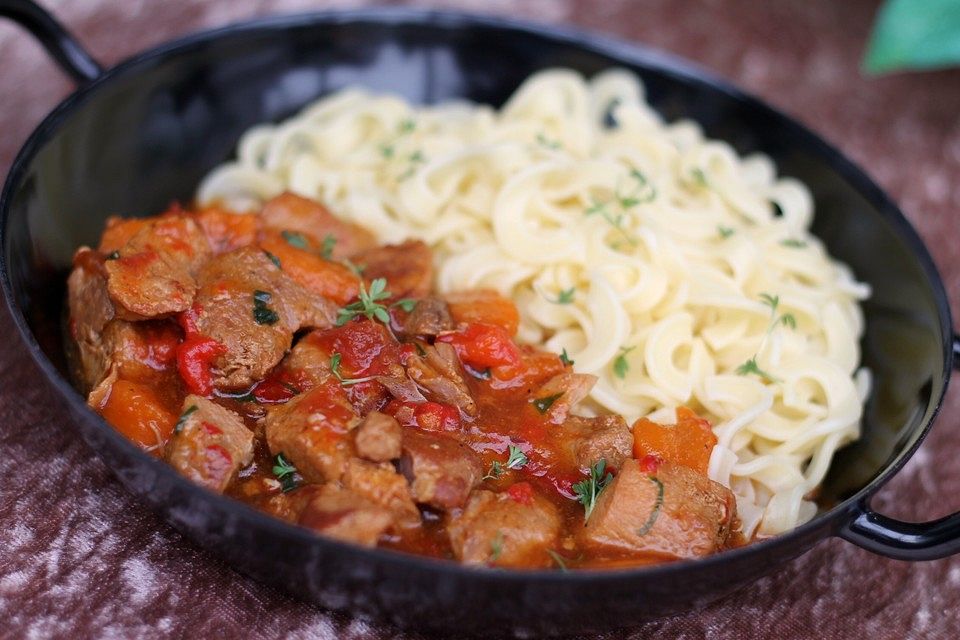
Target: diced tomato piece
366,347
484,306
521,492
188,320
274,391
195,357
135,411
689,443
483,345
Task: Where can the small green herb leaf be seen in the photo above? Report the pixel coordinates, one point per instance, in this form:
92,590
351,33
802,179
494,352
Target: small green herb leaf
788,320
329,242
368,305
565,359
496,470
620,364
587,491
725,232
262,314
182,420
544,141
517,459
335,361
274,259
285,472
543,404
496,546
565,296
751,367
407,304
793,243
699,177
657,505
295,239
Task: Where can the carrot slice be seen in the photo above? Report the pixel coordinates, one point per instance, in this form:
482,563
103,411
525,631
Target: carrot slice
135,411
689,442
484,306
331,280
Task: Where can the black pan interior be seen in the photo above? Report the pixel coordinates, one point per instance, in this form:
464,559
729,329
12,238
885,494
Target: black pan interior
149,132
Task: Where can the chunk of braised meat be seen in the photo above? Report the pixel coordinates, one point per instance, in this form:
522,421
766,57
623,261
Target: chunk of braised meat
692,518
381,484
226,231
252,308
308,362
378,438
429,317
153,273
563,392
210,444
441,471
293,214
313,431
593,439
343,514
90,311
407,267
439,374
513,528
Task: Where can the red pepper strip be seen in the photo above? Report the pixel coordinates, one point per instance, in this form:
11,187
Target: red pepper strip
195,357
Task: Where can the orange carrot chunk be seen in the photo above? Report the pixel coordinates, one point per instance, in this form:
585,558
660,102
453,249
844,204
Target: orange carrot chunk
689,442
135,411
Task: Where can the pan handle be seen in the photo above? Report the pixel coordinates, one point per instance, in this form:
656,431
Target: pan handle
59,43
906,540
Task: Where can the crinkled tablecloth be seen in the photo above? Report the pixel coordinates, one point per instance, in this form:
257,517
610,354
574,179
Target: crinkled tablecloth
81,558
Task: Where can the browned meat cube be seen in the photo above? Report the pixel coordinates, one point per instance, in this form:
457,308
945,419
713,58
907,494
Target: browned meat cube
430,317
496,528
442,471
378,437
342,514
382,485
407,267
291,213
252,308
210,444
563,392
90,311
153,273
313,432
439,374
308,362
593,439
691,519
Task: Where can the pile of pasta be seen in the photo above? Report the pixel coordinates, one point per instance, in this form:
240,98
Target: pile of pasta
673,269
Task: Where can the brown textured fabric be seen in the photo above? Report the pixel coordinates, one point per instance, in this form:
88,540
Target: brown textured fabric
81,558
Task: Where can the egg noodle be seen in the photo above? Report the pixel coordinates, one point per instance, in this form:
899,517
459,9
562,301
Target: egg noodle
673,269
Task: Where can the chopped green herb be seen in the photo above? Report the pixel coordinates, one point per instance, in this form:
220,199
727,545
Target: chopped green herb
517,459
496,546
182,420
285,472
326,251
565,296
565,359
725,232
657,505
751,367
589,490
642,192
295,239
547,142
263,314
335,360
406,126
407,304
620,364
368,305
274,259
793,243
113,255
543,404
614,220
558,559
786,319
496,470
699,177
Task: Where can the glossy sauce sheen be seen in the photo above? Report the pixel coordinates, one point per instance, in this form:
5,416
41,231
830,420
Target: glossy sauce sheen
168,357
